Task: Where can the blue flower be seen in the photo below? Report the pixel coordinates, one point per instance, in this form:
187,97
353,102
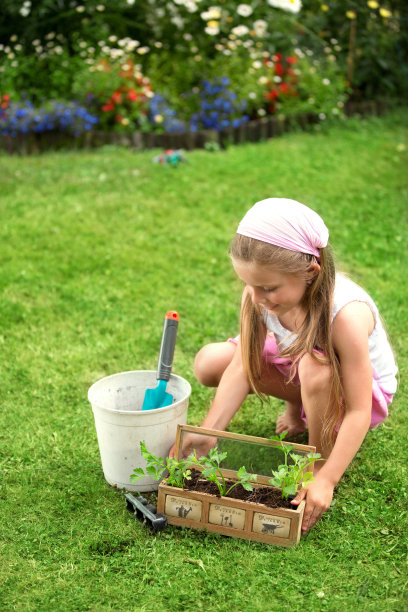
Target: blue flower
22,118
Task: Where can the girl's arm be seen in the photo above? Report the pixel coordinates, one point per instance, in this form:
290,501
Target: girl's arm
351,330
231,392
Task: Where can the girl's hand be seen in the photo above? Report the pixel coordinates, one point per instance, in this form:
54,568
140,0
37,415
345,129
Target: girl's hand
195,442
318,495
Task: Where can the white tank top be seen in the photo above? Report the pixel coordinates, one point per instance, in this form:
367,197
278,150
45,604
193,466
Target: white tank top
381,355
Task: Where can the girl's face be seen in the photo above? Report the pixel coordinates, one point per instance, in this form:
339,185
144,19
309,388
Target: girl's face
278,293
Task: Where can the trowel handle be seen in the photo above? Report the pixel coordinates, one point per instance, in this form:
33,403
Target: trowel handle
168,342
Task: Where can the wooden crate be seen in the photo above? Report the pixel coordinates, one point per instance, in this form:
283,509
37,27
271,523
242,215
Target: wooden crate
227,516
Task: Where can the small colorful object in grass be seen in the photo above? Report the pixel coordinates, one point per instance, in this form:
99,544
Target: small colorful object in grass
170,157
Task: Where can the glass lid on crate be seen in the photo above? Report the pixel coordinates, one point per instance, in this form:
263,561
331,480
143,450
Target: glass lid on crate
259,455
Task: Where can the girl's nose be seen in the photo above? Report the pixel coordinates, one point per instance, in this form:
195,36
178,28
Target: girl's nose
257,295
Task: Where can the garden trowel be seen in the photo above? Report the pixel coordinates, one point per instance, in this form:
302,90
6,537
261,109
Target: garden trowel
158,397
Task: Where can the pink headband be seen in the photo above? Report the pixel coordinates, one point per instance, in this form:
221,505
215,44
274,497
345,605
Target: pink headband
285,223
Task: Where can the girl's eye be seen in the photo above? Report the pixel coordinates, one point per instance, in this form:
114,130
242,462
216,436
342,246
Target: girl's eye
268,289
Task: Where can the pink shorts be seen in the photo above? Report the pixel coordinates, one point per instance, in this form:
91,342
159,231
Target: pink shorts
381,399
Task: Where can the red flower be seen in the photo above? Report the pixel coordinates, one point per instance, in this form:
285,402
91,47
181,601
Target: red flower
279,69
117,96
108,107
292,59
118,118
132,95
272,95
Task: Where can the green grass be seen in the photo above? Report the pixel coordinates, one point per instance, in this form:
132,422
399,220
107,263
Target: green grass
95,247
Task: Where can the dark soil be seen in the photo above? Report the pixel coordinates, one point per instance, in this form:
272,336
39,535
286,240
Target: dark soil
269,496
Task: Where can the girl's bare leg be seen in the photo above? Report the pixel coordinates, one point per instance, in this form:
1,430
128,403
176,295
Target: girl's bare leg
211,362
315,380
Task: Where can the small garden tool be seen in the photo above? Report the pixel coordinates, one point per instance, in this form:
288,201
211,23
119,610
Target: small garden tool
158,397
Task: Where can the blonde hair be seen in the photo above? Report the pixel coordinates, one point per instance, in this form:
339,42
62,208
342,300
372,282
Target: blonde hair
315,332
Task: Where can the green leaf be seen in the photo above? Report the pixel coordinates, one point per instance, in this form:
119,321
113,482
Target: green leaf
137,474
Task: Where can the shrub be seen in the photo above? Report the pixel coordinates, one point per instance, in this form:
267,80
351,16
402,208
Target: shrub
117,92
24,118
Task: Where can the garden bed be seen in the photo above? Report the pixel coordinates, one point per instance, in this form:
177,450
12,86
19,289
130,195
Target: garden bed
251,131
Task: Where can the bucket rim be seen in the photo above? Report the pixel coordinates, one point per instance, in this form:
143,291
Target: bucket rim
145,413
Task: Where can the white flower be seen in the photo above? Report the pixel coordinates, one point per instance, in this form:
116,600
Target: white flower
257,64
244,10
326,81
252,95
178,21
262,80
213,13
143,50
191,6
13,38
260,27
130,2
80,9
293,6
113,38
100,8
24,11
322,116
240,30
261,112
277,79
212,30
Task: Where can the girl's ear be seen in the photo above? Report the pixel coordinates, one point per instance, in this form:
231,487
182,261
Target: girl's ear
313,272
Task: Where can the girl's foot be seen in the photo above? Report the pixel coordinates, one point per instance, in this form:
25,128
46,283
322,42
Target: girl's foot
292,424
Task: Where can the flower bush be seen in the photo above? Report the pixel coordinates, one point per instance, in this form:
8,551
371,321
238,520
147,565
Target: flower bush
23,118
155,65
118,92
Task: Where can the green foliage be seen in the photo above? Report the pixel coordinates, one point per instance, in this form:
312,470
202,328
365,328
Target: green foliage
212,472
291,474
48,52
178,469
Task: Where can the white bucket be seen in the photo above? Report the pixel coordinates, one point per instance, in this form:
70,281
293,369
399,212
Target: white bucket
121,424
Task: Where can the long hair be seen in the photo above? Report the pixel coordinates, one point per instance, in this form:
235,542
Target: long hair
315,333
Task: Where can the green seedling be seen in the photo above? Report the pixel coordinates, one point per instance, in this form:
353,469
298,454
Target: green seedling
212,472
288,477
178,469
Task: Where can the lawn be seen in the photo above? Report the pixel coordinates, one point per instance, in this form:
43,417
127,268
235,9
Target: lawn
96,246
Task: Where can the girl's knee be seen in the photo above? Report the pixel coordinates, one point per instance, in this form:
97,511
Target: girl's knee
211,361
314,376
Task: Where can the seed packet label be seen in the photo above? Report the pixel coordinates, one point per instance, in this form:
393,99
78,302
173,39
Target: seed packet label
226,516
183,508
269,524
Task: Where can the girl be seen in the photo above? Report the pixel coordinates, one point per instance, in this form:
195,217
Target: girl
309,336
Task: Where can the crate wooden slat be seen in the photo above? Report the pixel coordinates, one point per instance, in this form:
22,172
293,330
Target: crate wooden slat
252,516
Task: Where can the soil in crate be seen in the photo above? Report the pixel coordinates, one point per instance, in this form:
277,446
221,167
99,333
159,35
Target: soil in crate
269,496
